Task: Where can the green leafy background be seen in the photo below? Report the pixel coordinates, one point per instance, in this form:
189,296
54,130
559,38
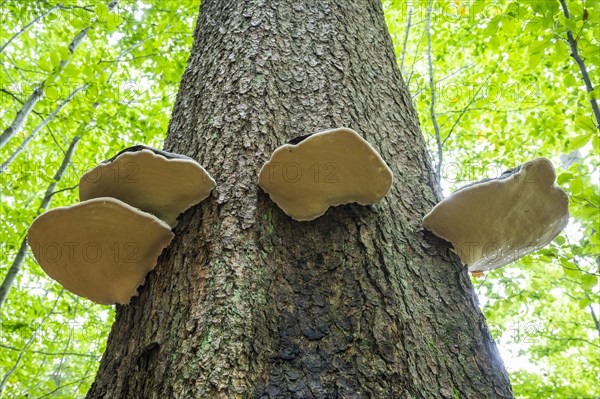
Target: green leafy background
506,90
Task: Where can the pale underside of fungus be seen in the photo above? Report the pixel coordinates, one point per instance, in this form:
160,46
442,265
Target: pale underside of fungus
154,181
100,249
313,172
497,221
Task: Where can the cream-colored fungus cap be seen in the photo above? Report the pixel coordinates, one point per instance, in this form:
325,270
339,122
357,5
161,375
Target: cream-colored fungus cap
152,180
311,173
496,221
100,249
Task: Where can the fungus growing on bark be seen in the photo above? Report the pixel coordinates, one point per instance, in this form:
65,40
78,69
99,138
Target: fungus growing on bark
313,172
154,181
496,221
100,249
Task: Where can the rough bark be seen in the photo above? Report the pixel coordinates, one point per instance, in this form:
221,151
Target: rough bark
247,303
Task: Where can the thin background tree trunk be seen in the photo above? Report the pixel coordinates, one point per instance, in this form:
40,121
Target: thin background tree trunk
247,303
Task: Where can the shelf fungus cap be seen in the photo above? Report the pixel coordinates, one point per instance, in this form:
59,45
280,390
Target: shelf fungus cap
496,221
311,173
100,249
152,180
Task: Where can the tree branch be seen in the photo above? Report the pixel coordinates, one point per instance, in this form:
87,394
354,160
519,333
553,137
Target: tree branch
471,102
73,46
12,370
14,269
39,127
53,354
596,322
23,114
404,46
19,33
414,61
65,189
17,99
584,73
7,73
459,70
13,95
51,393
571,339
487,109
71,7
436,127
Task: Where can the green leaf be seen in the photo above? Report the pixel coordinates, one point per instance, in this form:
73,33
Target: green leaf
584,303
596,142
588,281
534,59
538,46
494,42
113,21
71,71
586,123
52,77
576,11
576,185
510,26
570,80
592,195
55,59
564,177
88,71
579,141
561,49
101,11
77,23
65,54
550,7
569,268
45,64
570,24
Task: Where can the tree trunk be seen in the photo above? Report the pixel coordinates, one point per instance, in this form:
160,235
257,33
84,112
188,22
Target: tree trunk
247,303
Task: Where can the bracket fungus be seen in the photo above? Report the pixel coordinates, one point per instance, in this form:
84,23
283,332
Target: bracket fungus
313,172
496,221
100,249
154,181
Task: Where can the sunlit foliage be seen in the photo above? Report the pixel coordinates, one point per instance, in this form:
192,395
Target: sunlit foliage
507,90
129,61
